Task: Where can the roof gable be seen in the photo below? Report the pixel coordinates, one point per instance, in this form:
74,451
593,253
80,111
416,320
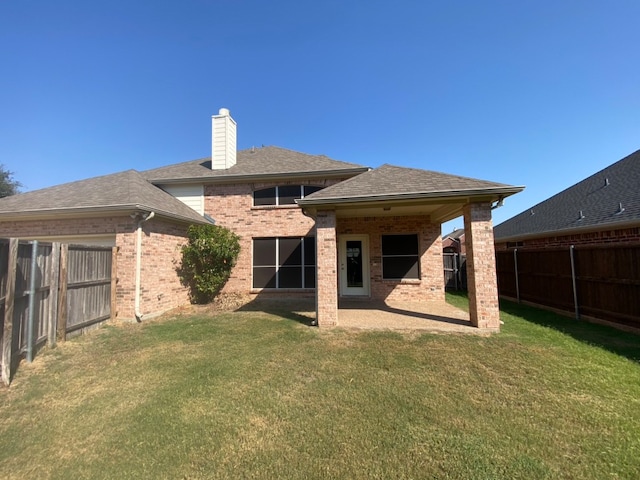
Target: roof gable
597,198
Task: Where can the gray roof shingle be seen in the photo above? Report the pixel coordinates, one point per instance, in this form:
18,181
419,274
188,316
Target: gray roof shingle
255,162
392,181
120,191
598,197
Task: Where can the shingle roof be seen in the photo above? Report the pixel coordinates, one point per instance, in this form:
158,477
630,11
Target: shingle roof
120,191
391,181
456,234
598,197
255,162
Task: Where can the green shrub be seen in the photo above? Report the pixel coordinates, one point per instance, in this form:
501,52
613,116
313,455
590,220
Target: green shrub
207,260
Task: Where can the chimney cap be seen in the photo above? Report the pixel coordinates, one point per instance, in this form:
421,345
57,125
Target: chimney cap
224,111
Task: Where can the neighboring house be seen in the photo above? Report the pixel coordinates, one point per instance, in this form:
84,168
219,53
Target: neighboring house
454,242
308,225
601,209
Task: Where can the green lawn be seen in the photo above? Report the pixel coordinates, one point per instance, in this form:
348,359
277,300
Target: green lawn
258,395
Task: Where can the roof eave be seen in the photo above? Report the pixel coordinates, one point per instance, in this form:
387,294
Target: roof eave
88,212
570,231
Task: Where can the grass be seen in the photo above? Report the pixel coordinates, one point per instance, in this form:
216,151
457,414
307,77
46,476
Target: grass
260,395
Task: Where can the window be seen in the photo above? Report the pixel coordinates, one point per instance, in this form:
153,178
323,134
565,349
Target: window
284,262
282,195
400,257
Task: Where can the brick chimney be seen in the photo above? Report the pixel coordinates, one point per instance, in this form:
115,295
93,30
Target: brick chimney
223,143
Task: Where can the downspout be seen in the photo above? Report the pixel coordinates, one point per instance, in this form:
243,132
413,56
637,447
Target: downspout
142,218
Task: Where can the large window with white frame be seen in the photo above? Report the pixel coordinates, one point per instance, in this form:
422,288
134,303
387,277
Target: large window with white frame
400,257
284,262
282,194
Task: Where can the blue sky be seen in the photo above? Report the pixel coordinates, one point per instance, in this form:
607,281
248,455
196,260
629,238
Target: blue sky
536,93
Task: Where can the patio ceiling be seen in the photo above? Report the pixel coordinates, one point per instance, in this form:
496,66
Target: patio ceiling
440,209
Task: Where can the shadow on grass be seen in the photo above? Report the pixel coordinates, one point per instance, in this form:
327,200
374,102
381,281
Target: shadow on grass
621,343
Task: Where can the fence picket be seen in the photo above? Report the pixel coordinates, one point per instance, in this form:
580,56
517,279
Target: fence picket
595,281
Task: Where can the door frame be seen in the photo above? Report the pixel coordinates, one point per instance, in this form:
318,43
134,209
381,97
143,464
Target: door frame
365,290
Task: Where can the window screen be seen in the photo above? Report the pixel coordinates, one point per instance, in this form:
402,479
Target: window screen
284,262
283,194
400,257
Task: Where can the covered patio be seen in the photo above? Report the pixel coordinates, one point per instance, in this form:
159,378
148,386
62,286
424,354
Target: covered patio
378,240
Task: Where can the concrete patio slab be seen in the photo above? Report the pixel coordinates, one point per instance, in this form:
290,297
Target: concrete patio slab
413,316
366,314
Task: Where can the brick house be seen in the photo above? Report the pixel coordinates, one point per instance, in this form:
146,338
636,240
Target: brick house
309,225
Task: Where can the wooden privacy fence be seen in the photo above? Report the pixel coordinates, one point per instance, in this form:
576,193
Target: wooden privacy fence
601,282
47,291
455,271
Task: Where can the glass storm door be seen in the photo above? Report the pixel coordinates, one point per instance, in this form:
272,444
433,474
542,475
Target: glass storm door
354,265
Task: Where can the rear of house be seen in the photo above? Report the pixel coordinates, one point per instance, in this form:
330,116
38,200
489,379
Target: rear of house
308,225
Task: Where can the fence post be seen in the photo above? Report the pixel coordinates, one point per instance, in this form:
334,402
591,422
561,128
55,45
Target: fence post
7,336
62,298
32,300
573,281
54,276
515,266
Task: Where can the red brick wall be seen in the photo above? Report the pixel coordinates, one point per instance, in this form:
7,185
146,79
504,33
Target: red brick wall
603,237
232,207
160,285
430,286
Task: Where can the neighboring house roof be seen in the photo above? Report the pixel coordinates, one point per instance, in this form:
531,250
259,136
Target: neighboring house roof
254,163
124,191
598,198
389,182
455,235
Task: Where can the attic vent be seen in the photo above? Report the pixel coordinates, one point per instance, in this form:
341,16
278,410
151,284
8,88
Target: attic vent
580,215
620,209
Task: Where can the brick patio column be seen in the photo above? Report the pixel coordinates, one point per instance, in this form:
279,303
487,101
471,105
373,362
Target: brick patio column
326,269
484,310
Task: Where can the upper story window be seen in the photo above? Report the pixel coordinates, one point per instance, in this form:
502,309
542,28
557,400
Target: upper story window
282,195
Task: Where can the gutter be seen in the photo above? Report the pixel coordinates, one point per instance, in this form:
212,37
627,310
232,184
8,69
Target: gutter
141,219
90,212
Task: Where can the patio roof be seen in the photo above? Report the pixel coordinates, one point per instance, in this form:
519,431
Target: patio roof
392,191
